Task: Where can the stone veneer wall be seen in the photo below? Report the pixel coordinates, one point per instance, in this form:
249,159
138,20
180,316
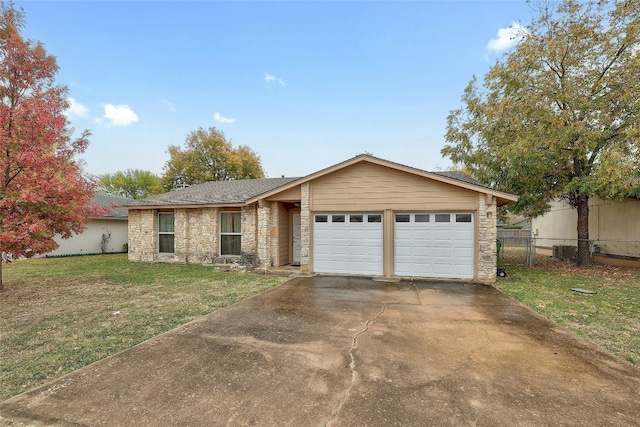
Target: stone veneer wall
249,231
274,236
196,236
487,235
143,239
181,234
305,230
201,238
263,237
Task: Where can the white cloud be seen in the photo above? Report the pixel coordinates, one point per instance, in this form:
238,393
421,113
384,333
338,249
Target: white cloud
507,37
270,78
76,109
169,105
222,119
119,115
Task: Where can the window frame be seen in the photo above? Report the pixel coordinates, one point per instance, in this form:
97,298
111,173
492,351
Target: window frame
374,218
422,217
402,218
356,218
229,233
464,217
442,218
338,218
167,233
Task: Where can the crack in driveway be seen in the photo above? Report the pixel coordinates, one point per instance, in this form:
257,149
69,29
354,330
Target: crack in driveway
417,293
352,365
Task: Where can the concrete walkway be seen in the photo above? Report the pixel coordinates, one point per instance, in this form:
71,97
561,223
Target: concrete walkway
334,351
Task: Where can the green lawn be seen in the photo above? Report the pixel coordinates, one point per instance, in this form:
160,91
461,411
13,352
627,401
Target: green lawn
610,318
57,315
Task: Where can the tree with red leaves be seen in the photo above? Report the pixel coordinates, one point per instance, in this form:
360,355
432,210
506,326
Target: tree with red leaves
42,190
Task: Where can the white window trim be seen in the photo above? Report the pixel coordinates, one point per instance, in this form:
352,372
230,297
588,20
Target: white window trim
173,233
221,233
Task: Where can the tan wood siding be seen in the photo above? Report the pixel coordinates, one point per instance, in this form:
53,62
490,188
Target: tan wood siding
371,187
284,237
616,220
290,195
608,220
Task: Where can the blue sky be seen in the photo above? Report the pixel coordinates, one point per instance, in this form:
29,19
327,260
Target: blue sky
304,84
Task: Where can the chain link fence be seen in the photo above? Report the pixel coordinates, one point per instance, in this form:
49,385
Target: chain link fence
524,250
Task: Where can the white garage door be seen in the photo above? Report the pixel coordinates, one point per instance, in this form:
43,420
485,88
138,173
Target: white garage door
434,245
347,243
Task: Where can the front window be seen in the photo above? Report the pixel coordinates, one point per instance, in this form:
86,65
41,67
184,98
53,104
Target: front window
230,233
165,232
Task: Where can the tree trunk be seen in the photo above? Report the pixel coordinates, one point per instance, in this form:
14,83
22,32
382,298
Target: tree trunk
584,253
1,274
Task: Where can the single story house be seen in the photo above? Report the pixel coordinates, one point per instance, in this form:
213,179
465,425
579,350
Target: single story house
614,229
364,216
105,234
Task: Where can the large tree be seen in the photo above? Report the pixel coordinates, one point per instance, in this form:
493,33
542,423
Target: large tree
42,190
134,183
208,156
558,116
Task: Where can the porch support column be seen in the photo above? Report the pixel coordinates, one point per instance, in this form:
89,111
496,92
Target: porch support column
274,234
305,228
263,234
487,234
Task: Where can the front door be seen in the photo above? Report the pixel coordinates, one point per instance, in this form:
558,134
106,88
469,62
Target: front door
296,238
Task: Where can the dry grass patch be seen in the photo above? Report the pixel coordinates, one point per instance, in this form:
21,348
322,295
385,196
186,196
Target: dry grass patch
57,315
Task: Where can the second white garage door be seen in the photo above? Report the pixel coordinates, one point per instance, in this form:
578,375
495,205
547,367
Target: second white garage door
434,245
349,243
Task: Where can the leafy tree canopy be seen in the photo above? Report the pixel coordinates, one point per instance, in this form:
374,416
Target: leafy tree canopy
134,183
208,156
42,190
559,116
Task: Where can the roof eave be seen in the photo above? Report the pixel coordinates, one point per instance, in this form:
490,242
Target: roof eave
504,198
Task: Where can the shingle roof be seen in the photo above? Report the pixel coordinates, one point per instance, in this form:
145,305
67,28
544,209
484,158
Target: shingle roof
214,192
109,200
459,176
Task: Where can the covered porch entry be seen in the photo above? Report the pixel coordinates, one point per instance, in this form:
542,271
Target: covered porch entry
285,234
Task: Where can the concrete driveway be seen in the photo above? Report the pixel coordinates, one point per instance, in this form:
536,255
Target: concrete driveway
335,351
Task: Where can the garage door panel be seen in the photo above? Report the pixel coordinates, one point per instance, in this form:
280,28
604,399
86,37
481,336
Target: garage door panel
420,252
463,253
348,247
442,235
434,249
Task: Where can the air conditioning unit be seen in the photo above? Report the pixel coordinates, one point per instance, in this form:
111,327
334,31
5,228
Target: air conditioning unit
564,252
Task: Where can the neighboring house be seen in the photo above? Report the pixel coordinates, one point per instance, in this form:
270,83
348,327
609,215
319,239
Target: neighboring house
112,227
614,228
515,222
364,216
